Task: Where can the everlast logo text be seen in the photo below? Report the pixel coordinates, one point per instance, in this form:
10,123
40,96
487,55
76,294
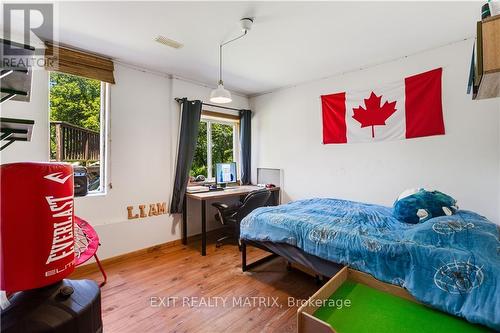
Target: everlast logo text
62,242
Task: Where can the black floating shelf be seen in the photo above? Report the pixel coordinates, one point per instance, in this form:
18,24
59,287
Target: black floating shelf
15,130
10,93
18,45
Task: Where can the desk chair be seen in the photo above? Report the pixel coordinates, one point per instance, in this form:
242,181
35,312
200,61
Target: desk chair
231,216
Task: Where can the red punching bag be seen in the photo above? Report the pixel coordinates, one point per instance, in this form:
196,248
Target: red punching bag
36,224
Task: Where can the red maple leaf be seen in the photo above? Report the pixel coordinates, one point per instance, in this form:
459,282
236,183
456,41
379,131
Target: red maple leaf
374,114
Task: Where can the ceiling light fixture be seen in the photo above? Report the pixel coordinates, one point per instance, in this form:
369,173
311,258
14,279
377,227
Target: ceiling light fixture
220,95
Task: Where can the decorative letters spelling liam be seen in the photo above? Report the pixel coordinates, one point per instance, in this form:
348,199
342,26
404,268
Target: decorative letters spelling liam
153,209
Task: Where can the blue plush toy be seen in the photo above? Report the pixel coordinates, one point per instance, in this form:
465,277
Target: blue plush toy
419,205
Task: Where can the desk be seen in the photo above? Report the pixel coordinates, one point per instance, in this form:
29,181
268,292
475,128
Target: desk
236,191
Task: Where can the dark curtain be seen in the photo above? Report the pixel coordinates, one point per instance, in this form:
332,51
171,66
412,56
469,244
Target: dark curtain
190,125
246,146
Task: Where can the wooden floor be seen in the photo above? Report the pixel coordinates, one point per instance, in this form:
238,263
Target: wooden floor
181,273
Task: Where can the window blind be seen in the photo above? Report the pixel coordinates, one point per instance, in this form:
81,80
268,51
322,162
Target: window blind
220,116
70,61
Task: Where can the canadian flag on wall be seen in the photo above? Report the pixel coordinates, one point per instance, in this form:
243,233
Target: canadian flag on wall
406,109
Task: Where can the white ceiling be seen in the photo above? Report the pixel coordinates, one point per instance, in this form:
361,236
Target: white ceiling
291,42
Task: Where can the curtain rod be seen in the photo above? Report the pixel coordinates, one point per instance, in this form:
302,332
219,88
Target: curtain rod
179,100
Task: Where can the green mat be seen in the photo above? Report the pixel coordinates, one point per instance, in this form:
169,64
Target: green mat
375,311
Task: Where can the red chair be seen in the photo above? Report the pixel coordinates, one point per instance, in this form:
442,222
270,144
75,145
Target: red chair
86,245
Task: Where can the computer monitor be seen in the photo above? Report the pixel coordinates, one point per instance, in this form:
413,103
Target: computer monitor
225,173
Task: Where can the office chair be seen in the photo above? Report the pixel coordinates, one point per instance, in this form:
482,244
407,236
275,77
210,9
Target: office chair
231,216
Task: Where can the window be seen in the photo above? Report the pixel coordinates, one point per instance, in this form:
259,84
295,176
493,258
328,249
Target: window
217,143
77,125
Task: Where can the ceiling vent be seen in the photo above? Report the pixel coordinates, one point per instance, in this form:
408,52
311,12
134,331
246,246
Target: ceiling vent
167,41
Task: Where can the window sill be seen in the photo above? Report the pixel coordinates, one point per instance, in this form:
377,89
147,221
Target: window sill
93,194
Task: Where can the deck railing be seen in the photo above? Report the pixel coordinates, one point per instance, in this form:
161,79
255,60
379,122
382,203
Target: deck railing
74,143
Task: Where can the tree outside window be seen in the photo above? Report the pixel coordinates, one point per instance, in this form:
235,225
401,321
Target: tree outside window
215,144
222,144
75,123
76,100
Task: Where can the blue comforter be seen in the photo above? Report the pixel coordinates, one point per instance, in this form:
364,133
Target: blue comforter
451,263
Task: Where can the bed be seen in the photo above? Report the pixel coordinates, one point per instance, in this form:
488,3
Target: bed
451,263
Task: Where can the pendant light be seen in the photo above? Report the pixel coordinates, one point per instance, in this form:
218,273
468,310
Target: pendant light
221,95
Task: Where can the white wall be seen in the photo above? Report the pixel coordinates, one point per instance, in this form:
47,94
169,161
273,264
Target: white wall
144,125
287,134
139,164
